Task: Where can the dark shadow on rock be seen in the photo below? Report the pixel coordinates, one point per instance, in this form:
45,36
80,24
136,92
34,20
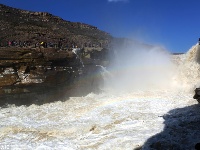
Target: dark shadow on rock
58,87
181,131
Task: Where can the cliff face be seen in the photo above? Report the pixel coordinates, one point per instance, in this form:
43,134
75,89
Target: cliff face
30,76
44,58
20,25
32,72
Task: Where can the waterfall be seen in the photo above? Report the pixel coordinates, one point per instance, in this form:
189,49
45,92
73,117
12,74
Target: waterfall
76,51
105,73
107,78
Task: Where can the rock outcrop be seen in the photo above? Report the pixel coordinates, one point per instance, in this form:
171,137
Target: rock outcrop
38,63
28,28
38,76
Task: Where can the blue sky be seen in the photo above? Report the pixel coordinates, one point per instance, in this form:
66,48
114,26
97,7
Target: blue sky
174,24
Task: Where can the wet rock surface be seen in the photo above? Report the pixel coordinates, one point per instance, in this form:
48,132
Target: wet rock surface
197,94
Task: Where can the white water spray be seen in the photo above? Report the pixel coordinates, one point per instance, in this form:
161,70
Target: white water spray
142,69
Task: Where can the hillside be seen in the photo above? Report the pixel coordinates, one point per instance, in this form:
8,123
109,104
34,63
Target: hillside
22,25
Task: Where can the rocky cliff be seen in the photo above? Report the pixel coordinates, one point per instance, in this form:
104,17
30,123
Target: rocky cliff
44,58
32,27
30,75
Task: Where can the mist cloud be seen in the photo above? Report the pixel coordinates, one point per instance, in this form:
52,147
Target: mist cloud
139,67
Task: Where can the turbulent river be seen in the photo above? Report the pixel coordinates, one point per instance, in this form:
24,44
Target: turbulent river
122,120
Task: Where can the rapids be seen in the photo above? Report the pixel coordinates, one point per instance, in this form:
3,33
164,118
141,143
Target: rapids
122,120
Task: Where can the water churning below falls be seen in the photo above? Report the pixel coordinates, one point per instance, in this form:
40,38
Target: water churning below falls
122,120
